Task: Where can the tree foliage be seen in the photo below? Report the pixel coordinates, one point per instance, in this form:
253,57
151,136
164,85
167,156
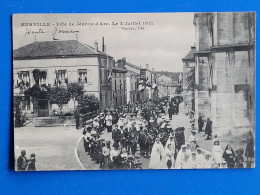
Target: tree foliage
59,96
17,110
87,103
75,90
191,79
173,75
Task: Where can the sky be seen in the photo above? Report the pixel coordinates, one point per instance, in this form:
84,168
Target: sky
158,39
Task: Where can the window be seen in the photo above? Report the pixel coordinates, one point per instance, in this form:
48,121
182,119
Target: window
115,85
24,76
23,80
42,80
82,75
25,104
120,85
61,76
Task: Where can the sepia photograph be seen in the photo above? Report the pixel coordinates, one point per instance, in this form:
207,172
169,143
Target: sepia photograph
134,91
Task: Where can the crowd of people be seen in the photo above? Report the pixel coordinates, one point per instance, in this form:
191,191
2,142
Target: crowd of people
143,130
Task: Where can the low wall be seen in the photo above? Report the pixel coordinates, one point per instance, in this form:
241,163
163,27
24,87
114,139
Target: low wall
54,121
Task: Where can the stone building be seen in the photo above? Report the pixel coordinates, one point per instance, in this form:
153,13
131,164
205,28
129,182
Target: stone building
63,62
119,84
225,70
165,86
132,80
188,79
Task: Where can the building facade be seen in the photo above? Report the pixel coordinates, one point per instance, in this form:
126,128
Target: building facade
132,82
60,63
119,85
188,79
225,70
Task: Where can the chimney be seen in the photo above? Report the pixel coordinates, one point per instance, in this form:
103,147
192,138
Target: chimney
103,44
96,46
147,66
193,47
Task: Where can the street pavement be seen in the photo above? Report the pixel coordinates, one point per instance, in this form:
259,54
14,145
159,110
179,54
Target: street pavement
54,146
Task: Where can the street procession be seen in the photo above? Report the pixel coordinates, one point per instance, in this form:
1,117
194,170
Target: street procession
144,131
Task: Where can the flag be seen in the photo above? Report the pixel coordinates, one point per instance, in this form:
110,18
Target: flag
180,78
109,76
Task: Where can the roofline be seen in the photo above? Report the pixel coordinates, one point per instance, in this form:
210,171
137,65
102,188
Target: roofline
61,56
119,70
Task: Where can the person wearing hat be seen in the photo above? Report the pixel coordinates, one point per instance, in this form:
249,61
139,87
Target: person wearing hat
182,135
116,134
109,119
142,141
96,125
208,129
200,123
106,152
22,161
193,140
115,156
121,120
217,151
156,155
178,142
239,160
151,122
101,120
165,122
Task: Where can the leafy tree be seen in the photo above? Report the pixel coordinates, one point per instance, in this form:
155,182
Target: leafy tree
191,79
59,96
75,90
87,103
17,110
37,92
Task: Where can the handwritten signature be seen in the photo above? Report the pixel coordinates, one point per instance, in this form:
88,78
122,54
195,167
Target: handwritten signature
29,31
56,31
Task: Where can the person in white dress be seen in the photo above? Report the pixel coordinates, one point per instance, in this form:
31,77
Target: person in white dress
171,141
109,122
192,161
180,157
156,155
193,140
200,159
188,150
217,152
207,163
169,157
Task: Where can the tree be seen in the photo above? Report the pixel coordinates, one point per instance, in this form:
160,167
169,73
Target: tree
17,110
37,92
87,103
191,79
75,90
59,96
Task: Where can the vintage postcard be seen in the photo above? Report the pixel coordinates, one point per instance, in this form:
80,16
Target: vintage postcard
134,91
